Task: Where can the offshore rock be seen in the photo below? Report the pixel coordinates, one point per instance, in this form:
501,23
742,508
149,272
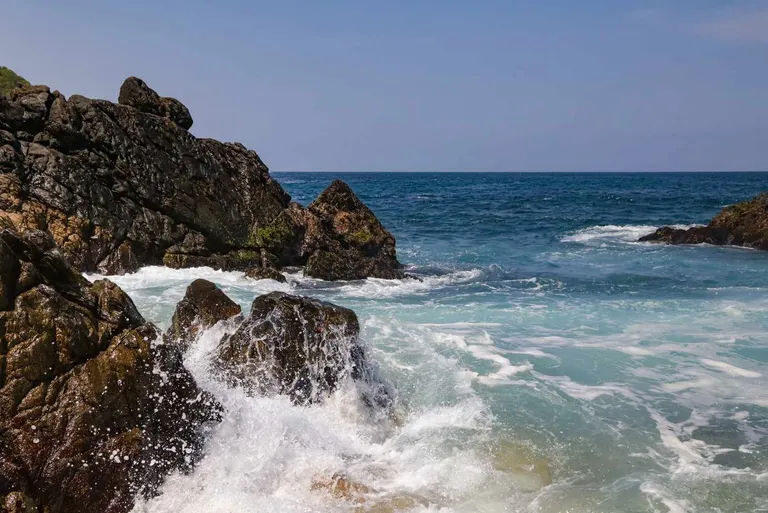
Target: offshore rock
203,305
91,412
339,238
297,346
120,186
742,224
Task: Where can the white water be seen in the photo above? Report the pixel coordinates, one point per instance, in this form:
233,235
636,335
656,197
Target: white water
476,385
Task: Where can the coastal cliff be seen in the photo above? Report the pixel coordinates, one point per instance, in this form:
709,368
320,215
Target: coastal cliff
743,224
124,185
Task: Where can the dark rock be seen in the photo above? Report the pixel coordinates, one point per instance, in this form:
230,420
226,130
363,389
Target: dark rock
265,273
136,93
742,224
203,305
296,346
120,186
91,412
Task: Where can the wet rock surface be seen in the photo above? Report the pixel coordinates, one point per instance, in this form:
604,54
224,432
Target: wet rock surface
203,305
742,224
297,346
121,186
91,411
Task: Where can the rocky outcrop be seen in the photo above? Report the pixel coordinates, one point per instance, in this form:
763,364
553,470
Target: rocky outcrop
203,305
297,346
742,224
120,186
91,411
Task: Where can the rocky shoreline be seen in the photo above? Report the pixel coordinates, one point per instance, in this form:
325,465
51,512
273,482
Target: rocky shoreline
125,185
96,407
743,224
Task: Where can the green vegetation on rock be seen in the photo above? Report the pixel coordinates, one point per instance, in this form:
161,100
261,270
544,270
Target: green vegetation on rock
10,80
361,236
270,236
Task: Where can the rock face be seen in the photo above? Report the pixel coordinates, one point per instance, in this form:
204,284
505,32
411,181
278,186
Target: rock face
296,346
90,410
203,305
120,186
742,224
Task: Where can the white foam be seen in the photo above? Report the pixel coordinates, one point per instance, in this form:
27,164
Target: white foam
730,369
614,233
378,288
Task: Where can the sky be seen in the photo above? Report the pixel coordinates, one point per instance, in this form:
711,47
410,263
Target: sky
420,85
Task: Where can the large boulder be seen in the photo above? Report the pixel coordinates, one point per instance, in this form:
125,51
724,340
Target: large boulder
204,304
299,347
742,224
120,186
91,411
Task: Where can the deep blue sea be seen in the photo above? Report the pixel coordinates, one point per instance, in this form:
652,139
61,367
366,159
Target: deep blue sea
546,363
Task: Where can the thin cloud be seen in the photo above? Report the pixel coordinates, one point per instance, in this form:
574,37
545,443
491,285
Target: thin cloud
751,26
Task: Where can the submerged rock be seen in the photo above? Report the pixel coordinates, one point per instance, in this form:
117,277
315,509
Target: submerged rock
342,488
203,305
91,412
120,186
742,224
297,346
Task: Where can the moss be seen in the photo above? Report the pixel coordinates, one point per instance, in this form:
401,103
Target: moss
361,236
10,80
270,236
244,255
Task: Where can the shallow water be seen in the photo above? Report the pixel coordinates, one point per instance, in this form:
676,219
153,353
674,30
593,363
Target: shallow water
542,344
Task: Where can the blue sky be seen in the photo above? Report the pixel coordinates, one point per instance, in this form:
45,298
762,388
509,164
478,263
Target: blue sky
428,85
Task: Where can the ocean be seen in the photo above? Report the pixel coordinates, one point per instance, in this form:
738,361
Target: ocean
546,362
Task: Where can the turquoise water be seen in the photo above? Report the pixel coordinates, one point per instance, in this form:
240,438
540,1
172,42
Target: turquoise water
541,337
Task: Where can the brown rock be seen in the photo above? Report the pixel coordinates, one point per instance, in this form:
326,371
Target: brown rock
297,346
91,411
742,224
203,305
265,273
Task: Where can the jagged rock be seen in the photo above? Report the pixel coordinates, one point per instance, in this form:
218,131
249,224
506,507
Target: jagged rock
742,224
203,305
91,411
296,346
120,186
136,93
348,242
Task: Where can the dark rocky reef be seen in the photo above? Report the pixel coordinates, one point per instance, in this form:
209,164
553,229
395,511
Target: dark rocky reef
742,224
91,411
120,186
